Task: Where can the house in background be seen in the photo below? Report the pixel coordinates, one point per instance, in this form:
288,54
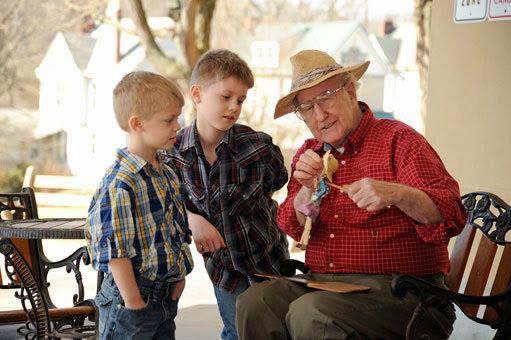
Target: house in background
77,132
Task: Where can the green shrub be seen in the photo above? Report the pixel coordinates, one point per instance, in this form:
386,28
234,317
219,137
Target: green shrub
12,180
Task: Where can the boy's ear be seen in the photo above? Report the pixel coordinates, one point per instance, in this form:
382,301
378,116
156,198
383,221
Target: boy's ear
135,123
196,93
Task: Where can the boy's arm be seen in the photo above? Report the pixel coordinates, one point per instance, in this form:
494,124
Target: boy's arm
124,278
276,162
206,237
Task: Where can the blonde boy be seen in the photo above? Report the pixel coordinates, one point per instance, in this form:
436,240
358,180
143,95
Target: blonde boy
229,172
137,230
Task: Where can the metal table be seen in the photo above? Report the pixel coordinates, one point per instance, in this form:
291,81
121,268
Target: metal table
55,228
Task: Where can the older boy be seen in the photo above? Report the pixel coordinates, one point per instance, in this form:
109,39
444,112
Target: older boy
230,172
137,230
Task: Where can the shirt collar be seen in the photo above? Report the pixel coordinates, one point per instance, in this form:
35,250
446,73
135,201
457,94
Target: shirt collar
191,138
129,160
356,137
134,163
229,140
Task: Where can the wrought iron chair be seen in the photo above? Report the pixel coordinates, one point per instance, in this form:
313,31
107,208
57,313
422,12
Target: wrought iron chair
490,216
42,320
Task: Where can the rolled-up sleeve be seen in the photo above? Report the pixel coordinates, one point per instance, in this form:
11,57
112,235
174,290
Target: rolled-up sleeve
110,229
419,166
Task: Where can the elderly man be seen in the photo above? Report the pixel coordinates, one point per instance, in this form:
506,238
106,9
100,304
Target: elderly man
398,211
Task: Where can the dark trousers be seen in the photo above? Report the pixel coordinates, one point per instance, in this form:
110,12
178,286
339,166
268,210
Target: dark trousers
281,309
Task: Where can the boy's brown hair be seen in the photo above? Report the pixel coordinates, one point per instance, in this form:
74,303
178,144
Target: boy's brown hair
216,65
144,94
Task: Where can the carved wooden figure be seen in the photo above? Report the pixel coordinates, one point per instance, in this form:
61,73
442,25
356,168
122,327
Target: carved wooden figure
311,209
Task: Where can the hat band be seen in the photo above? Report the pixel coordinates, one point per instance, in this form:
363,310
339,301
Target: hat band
313,75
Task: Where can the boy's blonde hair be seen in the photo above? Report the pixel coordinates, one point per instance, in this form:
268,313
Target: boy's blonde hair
144,94
216,65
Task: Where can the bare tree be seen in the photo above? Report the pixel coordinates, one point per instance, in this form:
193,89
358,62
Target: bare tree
192,31
26,29
13,34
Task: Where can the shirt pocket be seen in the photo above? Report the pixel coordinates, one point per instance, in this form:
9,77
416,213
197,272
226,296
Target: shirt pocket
243,197
194,195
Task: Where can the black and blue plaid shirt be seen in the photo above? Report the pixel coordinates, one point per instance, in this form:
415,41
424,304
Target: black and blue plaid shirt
234,195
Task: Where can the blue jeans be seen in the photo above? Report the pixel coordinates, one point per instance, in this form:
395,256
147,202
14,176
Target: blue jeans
154,321
227,307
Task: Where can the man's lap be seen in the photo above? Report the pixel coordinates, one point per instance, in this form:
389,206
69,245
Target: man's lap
373,314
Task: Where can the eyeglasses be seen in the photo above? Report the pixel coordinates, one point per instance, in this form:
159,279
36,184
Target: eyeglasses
325,101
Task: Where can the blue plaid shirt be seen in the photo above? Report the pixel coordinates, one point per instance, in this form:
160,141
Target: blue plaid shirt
234,195
138,212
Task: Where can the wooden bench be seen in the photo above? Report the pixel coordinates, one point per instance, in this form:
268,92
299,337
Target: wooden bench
60,196
487,234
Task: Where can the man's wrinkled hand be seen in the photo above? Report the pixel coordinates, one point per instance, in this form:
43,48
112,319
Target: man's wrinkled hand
308,168
373,195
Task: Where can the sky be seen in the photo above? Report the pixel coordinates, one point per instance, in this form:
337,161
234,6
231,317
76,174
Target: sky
381,8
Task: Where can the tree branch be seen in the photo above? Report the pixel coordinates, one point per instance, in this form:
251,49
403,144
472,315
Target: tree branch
167,66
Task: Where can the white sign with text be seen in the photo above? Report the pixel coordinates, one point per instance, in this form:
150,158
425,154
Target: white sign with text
467,11
500,10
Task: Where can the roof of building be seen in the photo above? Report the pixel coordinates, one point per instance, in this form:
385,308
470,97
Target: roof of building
391,47
81,46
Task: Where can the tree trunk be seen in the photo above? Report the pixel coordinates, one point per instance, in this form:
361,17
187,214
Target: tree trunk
422,16
167,66
193,32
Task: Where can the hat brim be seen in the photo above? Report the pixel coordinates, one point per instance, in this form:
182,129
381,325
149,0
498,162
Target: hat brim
285,105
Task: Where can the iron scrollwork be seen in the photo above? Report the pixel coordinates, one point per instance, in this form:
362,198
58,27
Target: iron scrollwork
492,216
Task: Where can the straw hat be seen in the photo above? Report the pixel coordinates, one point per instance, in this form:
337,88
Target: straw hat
311,67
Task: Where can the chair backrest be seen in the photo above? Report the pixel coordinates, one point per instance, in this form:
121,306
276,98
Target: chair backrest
19,206
490,215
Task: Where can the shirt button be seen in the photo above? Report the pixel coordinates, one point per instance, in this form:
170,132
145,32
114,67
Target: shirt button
374,232
336,216
332,235
355,152
343,162
330,265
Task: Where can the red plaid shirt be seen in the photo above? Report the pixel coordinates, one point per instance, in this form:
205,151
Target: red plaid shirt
347,239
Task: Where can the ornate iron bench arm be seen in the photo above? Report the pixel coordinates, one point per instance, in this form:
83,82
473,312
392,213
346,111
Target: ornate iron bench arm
434,296
72,262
